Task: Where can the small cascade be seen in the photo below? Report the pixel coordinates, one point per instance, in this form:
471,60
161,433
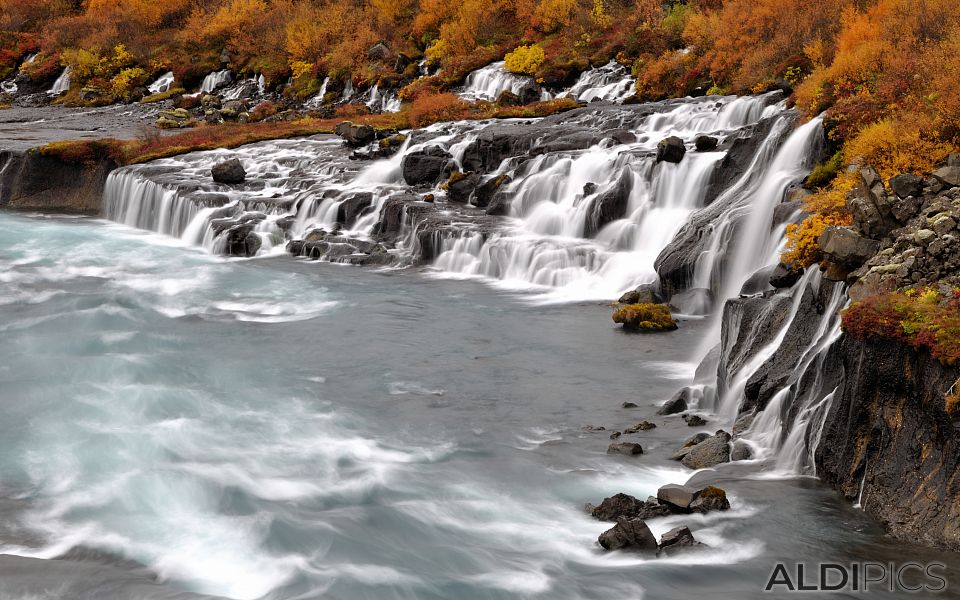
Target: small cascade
162,84
492,80
215,80
382,102
347,91
610,83
8,86
261,84
62,84
317,100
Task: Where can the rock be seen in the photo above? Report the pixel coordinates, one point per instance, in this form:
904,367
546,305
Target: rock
615,435
232,109
426,166
677,540
460,186
628,534
743,423
645,294
609,205
626,448
677,496
846,250
378,51
229,171
694,420
89,94
508,98
486,191
688,445
948,176
352,207
741,451
953,160
870,207
623,505
403,61
641,426
671,149
906,185
696,301
676,404
709,453
355,135
709,499
785,277
629,405
706,143
758,283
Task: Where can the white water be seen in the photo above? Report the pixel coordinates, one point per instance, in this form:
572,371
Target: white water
611,82
317,100
162,84
62,84
492,80
214,80
382,102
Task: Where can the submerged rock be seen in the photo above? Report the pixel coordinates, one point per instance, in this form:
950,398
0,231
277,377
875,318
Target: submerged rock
625,448
685,499
645,294
624,505
677,540
706,143
694,420
677,404
671,150
642,426
355,135
427,166
628,534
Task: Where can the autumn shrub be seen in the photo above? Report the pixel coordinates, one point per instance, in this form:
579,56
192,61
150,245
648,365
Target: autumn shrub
123,83
644,317
826,208
524,60
823,174
923,318
432,108
263,110
893,147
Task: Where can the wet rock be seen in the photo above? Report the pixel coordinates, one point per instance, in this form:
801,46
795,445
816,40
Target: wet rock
870,206
625,448
671,149
709,499
743,423
403,61
615,435
229,171
427,166
628,534
689,444
677,497
906,185
677,540
677,404
623,505
486,191
351,207
608,206
355,135
696,301
758,283
460,186
641,426
741,451
709,453
784,277
706,143
694,420
629,405
645,294
845,251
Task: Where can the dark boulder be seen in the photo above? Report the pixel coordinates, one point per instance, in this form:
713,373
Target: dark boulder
688,445
626,448
609,205
508,98
784,276
906,185
427,166
378,51
645,294
628,534
623,505
948,176
709,499
486,191
641,426
677,540
671,149
355,135
845,251
229,171
686,499
706,143
870,206
352,207
678,403
709,453
694,420
403,61
629,405
461,186
741,451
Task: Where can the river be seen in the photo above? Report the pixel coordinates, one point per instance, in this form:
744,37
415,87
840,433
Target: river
178,423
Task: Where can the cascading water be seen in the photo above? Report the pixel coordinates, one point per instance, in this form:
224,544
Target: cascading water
382,102
62,84
611,83
215,80
492,80
162,84
317,100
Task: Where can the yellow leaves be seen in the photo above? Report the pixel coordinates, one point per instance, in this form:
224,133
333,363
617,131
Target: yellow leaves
551,15
827,208
525,60
126,80
437,51
599,16
300,68
894,147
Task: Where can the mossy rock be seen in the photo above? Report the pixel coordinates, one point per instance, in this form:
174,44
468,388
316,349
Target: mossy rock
645,317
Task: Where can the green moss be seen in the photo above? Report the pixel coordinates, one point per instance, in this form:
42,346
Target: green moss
824,173
645,317
160,97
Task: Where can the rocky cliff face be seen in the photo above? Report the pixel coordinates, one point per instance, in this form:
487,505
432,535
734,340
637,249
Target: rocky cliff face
891,443
32,181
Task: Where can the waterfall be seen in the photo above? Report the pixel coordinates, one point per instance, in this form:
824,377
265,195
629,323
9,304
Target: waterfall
62,84
214,80
261,84
611,82
492,80
162,84
317,100
382,102
347,91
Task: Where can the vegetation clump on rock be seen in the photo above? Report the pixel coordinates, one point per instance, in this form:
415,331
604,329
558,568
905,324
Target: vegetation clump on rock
645,317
